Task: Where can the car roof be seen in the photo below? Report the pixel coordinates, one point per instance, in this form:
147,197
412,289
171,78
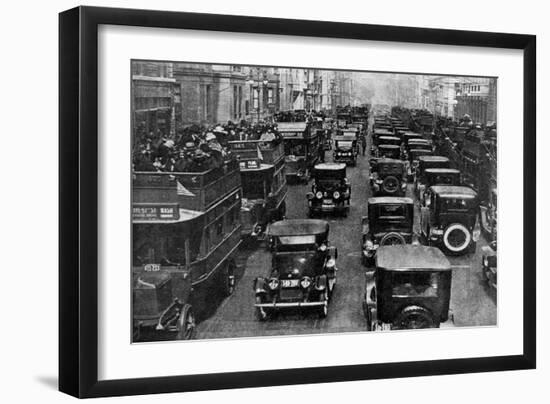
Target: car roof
389,199
411,258
442,170
389,137
389,161
330,166
433,158
423,141
454,190
298,227
389,146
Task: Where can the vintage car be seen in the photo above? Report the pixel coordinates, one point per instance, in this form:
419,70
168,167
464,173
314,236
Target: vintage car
410,288
376,134
418,144
389,151
423,162
384,140
448,218
387,177
389,221
345,149
412,161
400,129
489,263
488,215
427,177
330,191
303,268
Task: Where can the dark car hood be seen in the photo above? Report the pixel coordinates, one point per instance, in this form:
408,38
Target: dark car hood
294,265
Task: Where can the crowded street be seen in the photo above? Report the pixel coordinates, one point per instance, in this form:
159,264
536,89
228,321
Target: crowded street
472,301
361,202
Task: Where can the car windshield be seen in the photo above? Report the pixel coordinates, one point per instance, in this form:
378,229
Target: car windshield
296,240
455,204
344,143
442,179
392,212
415,284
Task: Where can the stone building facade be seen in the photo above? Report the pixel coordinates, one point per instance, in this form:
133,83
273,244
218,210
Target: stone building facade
153,99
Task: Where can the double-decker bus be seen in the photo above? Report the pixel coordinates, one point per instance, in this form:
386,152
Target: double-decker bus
301,146
186,232
263,181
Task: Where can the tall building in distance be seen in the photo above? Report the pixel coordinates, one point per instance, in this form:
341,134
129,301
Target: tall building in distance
171,95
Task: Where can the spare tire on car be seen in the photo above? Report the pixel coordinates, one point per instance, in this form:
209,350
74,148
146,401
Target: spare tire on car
392,238
457,238
390,184
414,317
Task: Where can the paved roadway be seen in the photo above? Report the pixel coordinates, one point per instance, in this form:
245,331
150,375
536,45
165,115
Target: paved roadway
472,302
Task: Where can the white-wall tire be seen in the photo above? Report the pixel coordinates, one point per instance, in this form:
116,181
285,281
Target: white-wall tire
467,238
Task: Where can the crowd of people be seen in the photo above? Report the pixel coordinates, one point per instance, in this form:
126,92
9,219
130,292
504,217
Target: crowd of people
196,148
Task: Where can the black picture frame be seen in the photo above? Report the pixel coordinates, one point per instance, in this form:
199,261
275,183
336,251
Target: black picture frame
78,196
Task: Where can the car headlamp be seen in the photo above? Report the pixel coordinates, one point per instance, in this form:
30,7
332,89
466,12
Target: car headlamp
305,282
369,245
485,261
273,283
323,247
336,194
331,263
319,194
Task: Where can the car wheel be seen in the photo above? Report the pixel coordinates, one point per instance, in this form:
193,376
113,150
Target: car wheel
457,238
414,317
323,310
390,184
392,238
186,323
261,313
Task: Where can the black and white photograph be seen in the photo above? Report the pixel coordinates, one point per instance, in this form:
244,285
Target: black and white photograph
276,201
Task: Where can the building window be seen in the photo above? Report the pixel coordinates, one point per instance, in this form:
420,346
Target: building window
256,98
270,95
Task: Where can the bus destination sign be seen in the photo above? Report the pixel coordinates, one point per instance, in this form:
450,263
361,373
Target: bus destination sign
167,211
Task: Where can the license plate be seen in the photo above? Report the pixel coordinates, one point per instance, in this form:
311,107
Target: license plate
289,283
327,202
